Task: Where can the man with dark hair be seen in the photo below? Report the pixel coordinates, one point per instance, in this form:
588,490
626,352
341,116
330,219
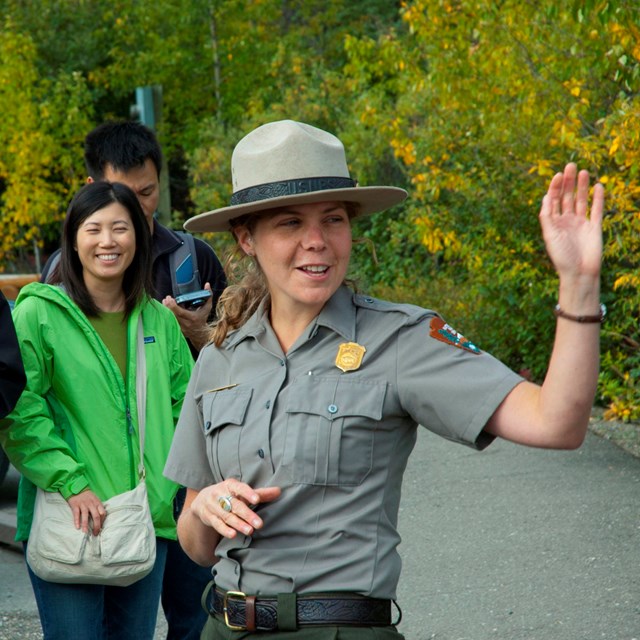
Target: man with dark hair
129,152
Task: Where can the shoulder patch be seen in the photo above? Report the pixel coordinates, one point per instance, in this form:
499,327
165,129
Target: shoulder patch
443,332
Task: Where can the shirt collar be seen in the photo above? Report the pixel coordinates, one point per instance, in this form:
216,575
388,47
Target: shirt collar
338,314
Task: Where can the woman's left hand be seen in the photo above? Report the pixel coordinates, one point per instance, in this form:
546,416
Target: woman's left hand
87,509
572,237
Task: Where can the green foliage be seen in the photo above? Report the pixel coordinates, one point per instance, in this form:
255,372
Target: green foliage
481,104
470,105
43,120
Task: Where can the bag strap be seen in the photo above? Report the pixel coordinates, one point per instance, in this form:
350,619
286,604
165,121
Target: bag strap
141,393
185,276
53,263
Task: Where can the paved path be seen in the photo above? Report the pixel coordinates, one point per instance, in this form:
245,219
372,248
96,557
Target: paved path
521,544
508,544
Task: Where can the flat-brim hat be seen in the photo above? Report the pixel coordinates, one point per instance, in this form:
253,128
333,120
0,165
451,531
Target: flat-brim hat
287,163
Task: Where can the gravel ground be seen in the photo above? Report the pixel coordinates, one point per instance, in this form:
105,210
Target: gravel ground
26,626
20,626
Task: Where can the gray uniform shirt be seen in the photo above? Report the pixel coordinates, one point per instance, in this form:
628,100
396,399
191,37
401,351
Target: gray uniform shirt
336,442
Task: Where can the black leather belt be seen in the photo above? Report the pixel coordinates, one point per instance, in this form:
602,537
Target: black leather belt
260,613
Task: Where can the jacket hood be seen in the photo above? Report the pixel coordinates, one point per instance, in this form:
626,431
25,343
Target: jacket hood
56,294
53,293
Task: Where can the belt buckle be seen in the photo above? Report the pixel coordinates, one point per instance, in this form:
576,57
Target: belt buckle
232,594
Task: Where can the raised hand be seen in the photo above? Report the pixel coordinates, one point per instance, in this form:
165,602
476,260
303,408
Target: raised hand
572,236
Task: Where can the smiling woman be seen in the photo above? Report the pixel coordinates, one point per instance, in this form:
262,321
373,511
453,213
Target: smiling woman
106,249
303,251
106,244
301,415
75,429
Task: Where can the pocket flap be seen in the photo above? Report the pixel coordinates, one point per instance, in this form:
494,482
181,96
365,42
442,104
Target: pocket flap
61,541
335,398
125,543
228,406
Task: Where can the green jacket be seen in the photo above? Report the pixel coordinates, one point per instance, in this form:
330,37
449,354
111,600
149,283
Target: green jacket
76,424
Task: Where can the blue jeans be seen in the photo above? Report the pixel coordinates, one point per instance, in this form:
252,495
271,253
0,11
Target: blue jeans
96,612
182,587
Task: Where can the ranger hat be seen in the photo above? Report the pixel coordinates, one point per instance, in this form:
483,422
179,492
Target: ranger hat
287,163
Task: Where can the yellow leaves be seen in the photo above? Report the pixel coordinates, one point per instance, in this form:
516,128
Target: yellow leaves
435,239
619,411
404,150
368,115
615,143
543,168
627,281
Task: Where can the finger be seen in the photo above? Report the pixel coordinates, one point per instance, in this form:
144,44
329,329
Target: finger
95,525
597,207
170,303
84,519
238,489
568,185
268,494
223,528
554,194
98,514
242,499
582,194
245,521
76,517
545,207
229,523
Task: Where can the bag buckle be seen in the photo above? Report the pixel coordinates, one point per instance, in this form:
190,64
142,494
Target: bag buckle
233,595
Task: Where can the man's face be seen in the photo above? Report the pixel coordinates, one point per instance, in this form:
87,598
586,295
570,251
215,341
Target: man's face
143,181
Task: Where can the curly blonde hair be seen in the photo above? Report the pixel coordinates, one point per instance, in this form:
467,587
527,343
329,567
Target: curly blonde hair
239,301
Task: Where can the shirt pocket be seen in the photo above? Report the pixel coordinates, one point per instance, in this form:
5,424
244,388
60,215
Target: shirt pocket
331,427
223,415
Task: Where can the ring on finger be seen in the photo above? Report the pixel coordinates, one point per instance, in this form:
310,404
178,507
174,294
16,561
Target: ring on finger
225,503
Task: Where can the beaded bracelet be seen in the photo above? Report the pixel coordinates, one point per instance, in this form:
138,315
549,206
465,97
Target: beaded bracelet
559,313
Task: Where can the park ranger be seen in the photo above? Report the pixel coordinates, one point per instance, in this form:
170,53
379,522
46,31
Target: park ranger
302,412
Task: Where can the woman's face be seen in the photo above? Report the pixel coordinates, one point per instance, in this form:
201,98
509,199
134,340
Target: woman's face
303,251
106,244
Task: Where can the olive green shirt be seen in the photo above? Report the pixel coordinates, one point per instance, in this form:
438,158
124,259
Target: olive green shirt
336,442
112,329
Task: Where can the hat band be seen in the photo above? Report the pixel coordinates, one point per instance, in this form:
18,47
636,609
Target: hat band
272,190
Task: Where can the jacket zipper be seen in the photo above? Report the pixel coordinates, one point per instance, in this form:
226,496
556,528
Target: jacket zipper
130,429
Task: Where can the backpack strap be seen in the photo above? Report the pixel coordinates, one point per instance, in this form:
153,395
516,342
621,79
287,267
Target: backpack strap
52,265
185,276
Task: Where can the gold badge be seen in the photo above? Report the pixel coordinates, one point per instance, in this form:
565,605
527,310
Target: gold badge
350,356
